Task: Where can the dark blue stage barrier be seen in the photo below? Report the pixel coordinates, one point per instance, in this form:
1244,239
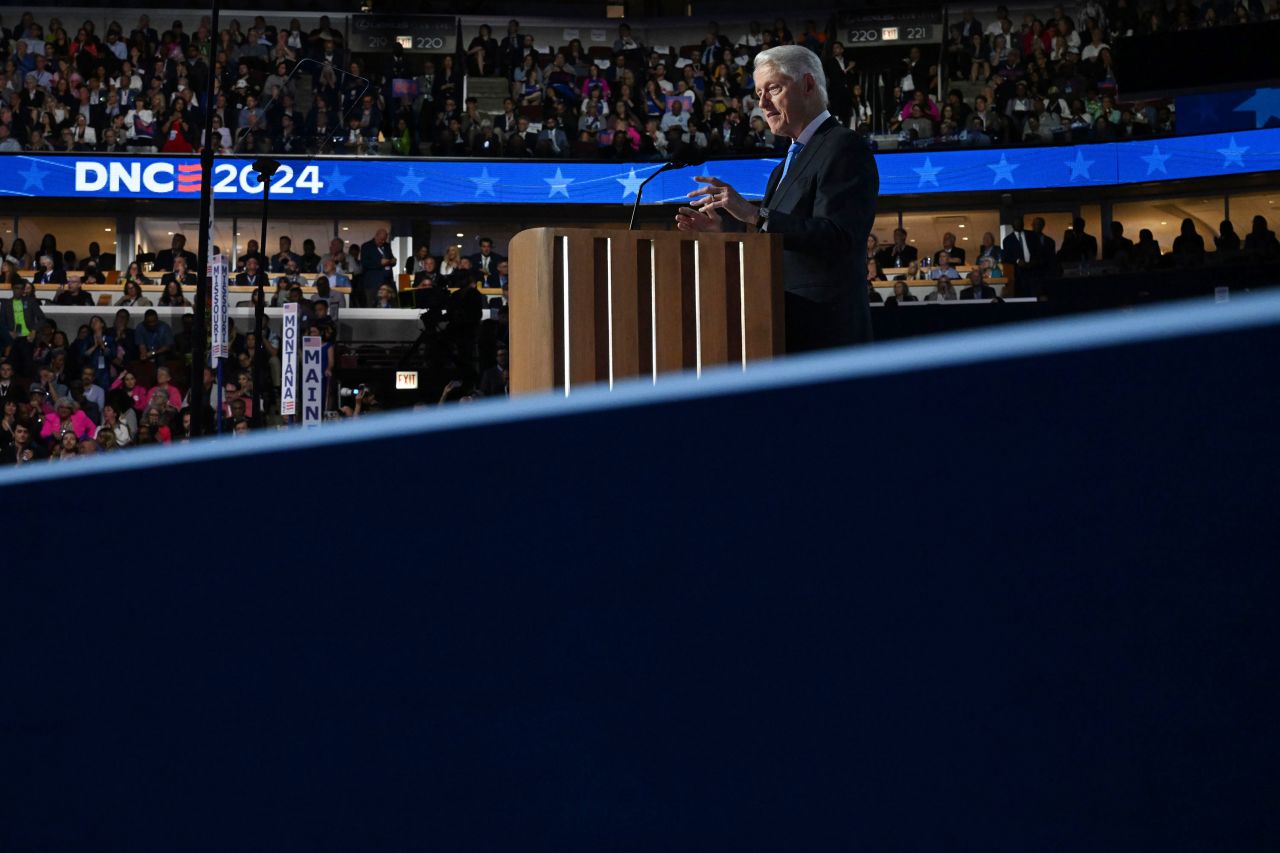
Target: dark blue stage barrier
1006,590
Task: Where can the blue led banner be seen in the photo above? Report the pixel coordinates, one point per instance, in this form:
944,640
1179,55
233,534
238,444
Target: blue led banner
392,181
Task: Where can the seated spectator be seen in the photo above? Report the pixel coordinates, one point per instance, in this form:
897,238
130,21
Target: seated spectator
873,295
65,417
64,446
901,293
333,277
900,253
72,294
759,138
944,292
486,142
89,394
912,273
989,249
975,133
280,260
48,273
281,294
309,261
122,428
386,298
155,423
944,270
677,117
917,125
181,276
1119,248
166,258
127,384
991,271
1261,238
1228,241
552,141
1147,251
978,287
950,249
154,337
172,297
1188,242
495,381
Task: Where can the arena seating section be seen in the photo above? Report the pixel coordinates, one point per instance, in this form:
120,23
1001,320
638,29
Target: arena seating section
1008,81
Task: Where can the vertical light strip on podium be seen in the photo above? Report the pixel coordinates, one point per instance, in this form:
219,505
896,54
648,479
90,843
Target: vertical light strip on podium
697,307
567,335
742,300
653,307
608,252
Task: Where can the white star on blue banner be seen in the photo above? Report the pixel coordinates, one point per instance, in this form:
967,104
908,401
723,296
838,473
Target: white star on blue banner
559,184
1003,169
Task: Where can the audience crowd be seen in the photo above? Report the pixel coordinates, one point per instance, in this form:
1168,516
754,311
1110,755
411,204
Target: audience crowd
138,88
1031,255
127,383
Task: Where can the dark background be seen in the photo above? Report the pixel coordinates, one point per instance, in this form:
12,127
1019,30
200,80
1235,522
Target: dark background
1026,603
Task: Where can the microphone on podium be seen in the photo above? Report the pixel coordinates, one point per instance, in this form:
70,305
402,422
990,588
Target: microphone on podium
665,167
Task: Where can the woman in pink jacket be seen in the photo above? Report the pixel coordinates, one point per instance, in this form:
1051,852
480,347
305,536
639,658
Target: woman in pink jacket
163,380
65,416
136,392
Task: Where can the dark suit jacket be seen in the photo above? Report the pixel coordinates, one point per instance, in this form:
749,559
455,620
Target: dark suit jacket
890,258
956,253
978,291
1044,251
494,260
54,276
371,260
242,280
164,259
825,210
1011,248
1120,248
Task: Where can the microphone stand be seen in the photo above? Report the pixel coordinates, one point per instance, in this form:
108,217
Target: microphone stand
665,167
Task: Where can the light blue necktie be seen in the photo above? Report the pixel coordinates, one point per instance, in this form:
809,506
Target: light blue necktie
796,148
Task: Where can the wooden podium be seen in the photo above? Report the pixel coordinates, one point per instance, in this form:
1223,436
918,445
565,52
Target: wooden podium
598,305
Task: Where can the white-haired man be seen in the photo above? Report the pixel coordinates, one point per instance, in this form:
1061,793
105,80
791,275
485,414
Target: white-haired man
821,198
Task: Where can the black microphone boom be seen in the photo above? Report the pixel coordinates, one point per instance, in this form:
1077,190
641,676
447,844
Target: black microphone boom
665,167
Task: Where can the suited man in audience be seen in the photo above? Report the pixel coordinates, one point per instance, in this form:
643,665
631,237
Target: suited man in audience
949,246
252,275
280,260
978,287
179,273
1077,246
900,254
1046,247
49,273
164,258
1119,247
485,262
1031,252
821,199
378,264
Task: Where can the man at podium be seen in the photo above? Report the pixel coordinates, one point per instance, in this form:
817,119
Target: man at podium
821,198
